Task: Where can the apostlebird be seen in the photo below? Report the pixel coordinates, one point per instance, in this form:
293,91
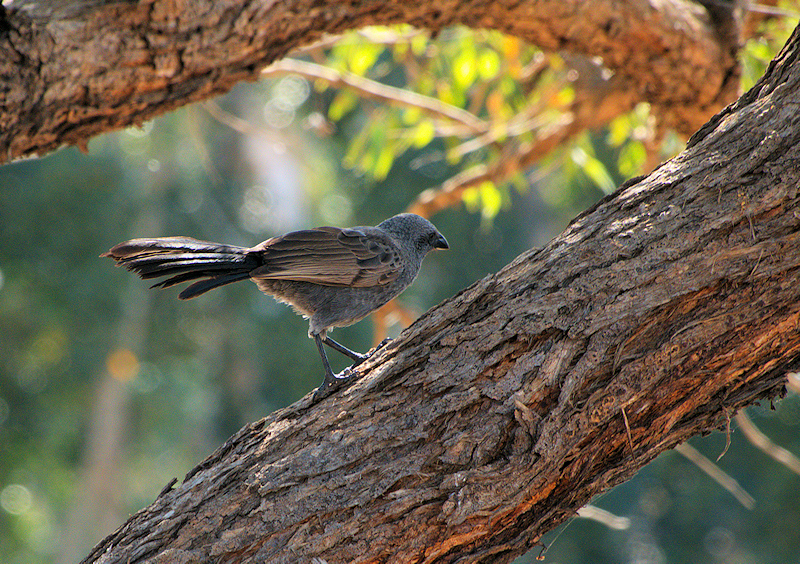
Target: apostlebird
332,276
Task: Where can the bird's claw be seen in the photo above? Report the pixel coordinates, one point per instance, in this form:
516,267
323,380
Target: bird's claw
356,362
333,383
363,357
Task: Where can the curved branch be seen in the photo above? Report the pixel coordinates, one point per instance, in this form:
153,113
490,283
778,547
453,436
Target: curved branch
78,69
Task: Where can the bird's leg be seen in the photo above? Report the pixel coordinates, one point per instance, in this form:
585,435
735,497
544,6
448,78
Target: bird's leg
357,358
330,378
331,381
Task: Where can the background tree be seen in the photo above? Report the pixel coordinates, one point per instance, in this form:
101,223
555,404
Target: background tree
59,327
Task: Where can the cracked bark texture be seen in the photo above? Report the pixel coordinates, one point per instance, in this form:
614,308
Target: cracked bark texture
71,70
670,304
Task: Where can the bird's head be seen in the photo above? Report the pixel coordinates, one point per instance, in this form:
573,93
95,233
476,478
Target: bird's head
416,231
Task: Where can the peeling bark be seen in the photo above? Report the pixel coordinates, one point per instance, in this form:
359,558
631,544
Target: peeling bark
655,316
71,70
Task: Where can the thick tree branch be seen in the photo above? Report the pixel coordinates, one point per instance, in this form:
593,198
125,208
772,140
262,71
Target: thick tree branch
72,70
659,312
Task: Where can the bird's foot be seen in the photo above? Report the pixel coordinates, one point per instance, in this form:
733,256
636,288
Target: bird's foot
362,357
356,361
333,382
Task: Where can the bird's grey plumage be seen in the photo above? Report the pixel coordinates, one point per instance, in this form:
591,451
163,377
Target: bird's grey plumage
334,277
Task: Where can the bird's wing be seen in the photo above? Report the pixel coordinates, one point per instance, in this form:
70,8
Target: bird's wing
331,256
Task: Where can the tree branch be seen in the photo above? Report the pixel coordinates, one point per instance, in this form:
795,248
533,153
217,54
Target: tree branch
72,70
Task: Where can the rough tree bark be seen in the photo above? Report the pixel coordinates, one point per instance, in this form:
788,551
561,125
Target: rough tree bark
655,316
70,70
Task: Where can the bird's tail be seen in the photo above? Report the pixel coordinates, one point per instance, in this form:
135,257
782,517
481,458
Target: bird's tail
183,259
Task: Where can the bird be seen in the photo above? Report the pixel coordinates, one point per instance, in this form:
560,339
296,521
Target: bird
332,276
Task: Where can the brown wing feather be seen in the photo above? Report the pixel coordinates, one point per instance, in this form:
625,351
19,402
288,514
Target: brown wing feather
331,256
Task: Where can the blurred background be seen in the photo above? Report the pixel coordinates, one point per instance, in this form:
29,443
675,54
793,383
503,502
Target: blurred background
108,390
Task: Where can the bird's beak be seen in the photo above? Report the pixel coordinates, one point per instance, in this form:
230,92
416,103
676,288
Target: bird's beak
441,243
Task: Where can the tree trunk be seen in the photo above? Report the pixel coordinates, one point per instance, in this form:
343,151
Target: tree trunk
655,316
70,70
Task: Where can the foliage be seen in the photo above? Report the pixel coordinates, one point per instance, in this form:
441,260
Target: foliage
491,95
770,36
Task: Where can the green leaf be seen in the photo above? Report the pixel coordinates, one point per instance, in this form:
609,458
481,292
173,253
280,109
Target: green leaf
445,92
423,133
344,102
564,97
419,44
632,157
411,115
367,161
472,199
491,199
594,169
363,56
489,64
383,164
619,130
465,69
